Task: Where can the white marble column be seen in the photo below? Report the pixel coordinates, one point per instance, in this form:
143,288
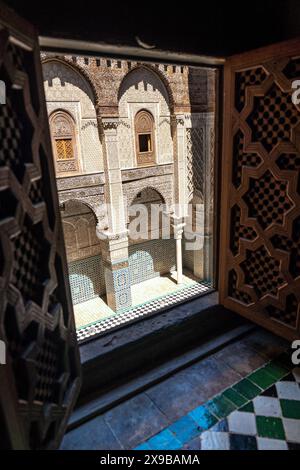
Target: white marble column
178,225
180,188
180,176
113,177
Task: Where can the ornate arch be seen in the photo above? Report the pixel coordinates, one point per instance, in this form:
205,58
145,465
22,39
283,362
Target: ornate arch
85,203
159,75
62,110
80,71
80,231
64,141
139,190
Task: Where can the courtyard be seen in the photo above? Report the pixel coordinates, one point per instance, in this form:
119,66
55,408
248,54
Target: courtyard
159,289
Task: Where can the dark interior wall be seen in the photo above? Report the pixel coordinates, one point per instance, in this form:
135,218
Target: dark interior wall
4,441
202,27
292,17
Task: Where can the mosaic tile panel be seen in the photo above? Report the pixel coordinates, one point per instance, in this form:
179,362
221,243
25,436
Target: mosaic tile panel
86,278
187,257
117,280
151,259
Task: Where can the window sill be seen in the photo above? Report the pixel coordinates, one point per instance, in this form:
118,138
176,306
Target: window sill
127,361
113,359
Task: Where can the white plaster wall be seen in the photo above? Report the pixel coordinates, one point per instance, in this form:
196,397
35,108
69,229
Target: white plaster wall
66,89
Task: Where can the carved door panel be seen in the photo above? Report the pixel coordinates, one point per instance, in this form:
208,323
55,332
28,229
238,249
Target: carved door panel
41,379
260,223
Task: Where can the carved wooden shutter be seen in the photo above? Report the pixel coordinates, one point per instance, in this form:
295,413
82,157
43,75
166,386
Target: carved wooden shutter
41,380
260,213
144,128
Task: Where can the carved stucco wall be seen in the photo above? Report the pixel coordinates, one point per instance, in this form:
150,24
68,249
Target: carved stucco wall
136,89
66,89
79,226
200,152
162,184
86,272
87,189
189,86
143,89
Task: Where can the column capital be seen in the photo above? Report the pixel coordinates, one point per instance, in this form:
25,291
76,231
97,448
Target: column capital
110,124
114,251
178,119
178,224
107,235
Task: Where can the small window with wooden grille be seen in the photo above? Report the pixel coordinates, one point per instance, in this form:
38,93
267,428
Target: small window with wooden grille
64,143
144,137
64,149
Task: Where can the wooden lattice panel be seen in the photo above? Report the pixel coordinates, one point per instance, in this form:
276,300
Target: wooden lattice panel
64,149
260,232
40,382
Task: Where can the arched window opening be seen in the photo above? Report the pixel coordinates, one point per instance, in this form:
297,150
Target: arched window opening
64,142
144,138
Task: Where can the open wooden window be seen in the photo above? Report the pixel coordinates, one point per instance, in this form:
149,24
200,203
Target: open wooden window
260,250
64,142
144,138
40,382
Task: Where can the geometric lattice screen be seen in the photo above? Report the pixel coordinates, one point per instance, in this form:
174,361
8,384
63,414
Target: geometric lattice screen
260,233
40,381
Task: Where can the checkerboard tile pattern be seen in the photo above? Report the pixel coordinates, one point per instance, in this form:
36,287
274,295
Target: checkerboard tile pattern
260,412
145,309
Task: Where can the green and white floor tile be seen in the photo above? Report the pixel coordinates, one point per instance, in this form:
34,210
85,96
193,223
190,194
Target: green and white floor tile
260,412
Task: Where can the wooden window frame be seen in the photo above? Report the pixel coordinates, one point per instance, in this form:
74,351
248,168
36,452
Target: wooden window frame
66,166
147,158
94,354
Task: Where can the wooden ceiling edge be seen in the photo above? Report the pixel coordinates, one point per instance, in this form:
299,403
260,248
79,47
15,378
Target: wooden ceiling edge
70,46
265,53
21,31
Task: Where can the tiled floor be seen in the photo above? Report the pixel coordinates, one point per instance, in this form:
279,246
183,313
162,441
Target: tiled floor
181,293
91,311
260,412
246,396
97,309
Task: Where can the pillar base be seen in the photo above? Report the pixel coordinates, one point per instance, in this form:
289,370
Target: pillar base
114,248
118,290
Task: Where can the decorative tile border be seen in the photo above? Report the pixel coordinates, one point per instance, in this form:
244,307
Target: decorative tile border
261,411
140,311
